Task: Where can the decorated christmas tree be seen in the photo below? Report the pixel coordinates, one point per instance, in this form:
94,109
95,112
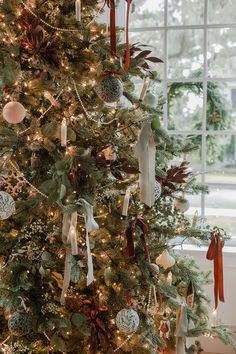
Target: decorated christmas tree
90,202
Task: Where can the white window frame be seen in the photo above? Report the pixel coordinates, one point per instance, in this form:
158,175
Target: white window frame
204,80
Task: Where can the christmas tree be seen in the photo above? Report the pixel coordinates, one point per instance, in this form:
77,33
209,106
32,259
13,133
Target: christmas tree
89,199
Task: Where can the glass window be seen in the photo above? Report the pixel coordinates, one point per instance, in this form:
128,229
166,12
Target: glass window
197,40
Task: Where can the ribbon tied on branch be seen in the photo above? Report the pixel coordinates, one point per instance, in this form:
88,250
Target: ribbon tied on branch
214,254
130,233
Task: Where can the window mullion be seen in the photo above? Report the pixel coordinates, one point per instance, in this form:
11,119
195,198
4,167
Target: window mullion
204,115
165,88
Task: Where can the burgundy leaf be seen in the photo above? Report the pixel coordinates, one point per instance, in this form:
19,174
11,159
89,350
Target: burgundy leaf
143,54
154,60
130,169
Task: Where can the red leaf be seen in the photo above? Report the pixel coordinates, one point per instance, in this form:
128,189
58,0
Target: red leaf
143,54
130,169
154,60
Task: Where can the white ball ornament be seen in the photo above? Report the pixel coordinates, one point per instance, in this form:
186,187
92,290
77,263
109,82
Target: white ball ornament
127,320
150,99
165,260
181,204
14,112
158,190
7,205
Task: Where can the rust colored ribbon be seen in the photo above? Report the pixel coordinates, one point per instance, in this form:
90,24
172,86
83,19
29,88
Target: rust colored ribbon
112,6
130,250
215,253
127,48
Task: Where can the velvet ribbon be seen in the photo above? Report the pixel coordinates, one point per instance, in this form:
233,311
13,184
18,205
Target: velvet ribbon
130,232
214,254
111,4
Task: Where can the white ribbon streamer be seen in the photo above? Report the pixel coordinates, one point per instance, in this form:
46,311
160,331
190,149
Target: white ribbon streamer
181,329
72,235
145,150
69,237
91,225
126,202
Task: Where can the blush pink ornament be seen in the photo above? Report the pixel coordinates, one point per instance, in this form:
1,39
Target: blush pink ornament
14,112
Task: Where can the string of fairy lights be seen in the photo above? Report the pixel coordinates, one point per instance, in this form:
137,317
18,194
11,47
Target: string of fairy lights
61,29
99,123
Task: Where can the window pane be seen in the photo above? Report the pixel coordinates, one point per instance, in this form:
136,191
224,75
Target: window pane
185,103
221,208
221,159
147,13
194,157
155,88
221,105
154,39
185,12
221,169
221,11
185,53
222,52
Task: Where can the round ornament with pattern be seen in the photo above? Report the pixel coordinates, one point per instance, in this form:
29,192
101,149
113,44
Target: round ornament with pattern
127,320
157,190
7,205
14,112
109,89
20,323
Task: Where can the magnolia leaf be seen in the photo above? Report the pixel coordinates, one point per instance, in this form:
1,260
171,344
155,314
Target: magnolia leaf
71,135
62,191
58,278
62,322
75,273
50,129
160,173
46,256
58,342
80,321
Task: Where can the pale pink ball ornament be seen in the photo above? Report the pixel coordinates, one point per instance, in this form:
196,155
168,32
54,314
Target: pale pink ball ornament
14,112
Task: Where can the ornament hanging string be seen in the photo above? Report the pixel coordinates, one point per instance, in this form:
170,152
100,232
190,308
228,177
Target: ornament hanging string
214,254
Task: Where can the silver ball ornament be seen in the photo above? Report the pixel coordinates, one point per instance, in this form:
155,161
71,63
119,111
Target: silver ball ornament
181,204
14,112
7,205
158,190
20,323
127,320
109,89
150,99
